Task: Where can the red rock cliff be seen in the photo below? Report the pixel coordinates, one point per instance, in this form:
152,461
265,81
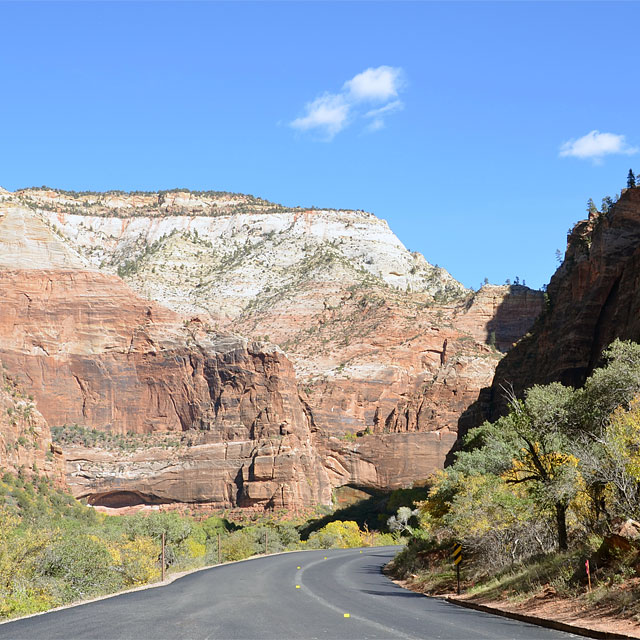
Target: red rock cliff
592,299
25,438
95,354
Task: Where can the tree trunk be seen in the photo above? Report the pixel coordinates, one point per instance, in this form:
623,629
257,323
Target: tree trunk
561,520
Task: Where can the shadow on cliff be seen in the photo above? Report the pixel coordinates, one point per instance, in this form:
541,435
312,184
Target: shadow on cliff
505,331
372,512
474,415
509,322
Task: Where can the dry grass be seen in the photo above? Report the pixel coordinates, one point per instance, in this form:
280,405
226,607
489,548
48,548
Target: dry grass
552,585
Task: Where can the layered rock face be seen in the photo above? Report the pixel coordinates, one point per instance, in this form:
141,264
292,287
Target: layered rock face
228,253
388,350
25,438
96,354
380,339
592,299
92,352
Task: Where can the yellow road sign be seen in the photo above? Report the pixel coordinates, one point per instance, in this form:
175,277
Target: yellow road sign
458,560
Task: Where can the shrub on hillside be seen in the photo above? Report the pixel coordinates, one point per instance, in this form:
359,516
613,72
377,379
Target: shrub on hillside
337,535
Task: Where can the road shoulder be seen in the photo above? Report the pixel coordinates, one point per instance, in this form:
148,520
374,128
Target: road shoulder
565,617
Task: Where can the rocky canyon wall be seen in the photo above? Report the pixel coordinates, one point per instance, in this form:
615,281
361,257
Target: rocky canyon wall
591,300
371,396
25,438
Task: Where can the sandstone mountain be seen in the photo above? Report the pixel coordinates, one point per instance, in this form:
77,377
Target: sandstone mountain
388,350
591,300
371,328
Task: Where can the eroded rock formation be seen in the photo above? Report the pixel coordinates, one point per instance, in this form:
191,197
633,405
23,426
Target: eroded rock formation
95,354
382,372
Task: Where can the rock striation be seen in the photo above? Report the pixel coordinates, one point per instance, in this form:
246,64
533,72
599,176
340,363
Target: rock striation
95,354
380,339
187,250
382,351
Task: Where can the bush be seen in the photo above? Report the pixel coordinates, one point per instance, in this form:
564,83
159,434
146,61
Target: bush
84,565
214,525
337,535
136,561
238,546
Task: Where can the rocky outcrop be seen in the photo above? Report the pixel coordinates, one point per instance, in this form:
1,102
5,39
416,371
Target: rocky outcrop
591,300
25,438
501,315
385,461
282,473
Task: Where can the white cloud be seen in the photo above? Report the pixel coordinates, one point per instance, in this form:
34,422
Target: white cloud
396,105
377,115
375,125
595,145
330,113
377,84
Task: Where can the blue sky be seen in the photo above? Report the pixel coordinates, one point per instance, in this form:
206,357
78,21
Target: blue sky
446,119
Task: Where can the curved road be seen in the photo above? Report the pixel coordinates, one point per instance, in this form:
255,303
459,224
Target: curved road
271,598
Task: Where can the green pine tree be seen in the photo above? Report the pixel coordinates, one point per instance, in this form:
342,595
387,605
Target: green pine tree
631,180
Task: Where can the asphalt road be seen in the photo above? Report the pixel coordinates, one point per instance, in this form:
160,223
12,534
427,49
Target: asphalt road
271,598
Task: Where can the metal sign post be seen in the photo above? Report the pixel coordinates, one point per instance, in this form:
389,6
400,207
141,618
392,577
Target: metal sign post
456,554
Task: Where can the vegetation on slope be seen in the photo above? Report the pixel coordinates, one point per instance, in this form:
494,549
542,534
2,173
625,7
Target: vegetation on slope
148,203
370,513
540,491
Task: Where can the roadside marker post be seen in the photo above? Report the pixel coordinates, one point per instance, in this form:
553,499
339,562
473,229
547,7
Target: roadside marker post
456,555
163,566
586,564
